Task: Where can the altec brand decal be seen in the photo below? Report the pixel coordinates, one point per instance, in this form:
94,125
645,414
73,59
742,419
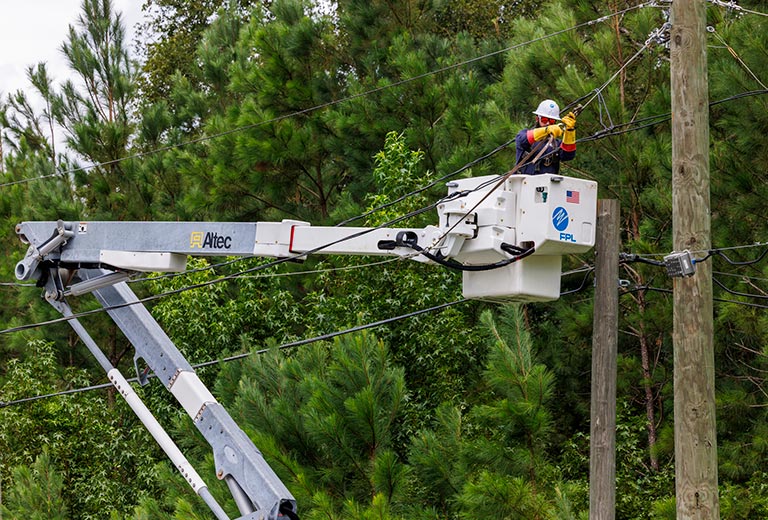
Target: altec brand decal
200,240
560,220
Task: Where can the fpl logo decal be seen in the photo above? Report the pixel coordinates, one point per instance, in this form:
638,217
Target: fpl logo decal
560,220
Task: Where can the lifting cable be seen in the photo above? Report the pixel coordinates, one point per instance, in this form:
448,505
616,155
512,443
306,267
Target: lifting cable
712,31
658,35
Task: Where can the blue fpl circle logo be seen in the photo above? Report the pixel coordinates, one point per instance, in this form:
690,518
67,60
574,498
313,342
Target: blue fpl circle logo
560,218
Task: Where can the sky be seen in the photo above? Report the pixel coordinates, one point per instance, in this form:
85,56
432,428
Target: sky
32,31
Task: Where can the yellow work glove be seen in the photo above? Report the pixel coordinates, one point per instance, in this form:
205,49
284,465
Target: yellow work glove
544,131
569,138
569,121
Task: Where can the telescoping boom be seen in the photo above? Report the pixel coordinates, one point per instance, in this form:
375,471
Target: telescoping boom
506,234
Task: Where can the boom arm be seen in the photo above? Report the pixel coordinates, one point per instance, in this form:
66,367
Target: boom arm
485,225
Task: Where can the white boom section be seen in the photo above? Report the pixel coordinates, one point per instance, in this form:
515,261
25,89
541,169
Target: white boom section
477,222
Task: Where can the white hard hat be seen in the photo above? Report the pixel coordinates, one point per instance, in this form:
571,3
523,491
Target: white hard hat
548,108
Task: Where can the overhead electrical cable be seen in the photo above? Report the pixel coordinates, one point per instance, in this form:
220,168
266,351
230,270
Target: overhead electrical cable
709,252
414,213
658,119
292,344
737,293
639,288
431,184
734,6
321,106
741,276
277,275
323,337
654,37
583,284
529,157
733,53
470,164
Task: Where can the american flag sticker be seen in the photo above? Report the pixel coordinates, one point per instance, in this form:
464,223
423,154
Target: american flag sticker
572,196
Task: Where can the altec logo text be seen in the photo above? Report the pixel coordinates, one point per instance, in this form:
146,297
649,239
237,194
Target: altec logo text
209,241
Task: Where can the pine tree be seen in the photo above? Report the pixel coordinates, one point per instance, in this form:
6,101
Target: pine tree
495,460
95,114
94,446
36,493
326,419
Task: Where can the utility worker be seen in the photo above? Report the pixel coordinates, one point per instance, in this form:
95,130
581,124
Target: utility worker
555,150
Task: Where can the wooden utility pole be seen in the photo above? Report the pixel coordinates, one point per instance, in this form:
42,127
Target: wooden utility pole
602,440
694,378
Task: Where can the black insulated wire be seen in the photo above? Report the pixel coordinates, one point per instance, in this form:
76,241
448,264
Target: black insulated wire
410,240
287,511
581,286
284,346
733,262
737,293
628,258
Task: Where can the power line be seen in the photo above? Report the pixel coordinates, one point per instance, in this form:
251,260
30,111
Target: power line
221,279
366,214
588,270
587,273
292,344
733,53
737,293
646,122
734,6
431,184
321,106
720,253
715,250
272,275
653,37
639,288
741,276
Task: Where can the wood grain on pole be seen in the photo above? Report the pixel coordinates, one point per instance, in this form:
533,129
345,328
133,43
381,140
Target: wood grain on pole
694,377
602,444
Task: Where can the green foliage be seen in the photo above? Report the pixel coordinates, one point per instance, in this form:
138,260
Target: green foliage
93,445
396,174
95,114
173,33
502,497
497,456
333,412
268,110
36,493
